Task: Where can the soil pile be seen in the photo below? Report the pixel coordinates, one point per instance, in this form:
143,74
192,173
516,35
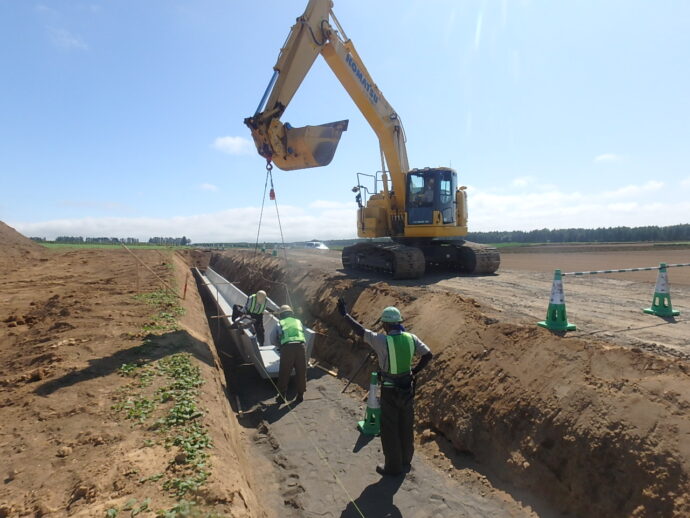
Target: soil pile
16,250
83,402
599,430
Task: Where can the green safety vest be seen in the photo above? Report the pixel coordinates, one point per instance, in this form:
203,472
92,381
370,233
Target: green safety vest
292,330
400,353
254,307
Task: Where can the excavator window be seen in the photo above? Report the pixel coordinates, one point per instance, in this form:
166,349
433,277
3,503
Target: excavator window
428,191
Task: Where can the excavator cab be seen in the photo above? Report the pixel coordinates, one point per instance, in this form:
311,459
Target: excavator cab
428,191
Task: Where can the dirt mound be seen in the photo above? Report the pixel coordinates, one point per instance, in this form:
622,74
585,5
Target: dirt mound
83,338
596,429
15,249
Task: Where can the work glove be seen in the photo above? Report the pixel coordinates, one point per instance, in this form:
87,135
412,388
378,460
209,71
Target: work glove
342,308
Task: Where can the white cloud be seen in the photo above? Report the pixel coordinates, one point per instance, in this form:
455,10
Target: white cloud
623,207
234,145
240,224
685,183
325,204
108,206
633,205
478,30
523,181
208,187
53,21
608,157
66,40
633,190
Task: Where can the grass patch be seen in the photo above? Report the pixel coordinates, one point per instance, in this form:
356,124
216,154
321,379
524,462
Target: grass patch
162,400
165,393
168,309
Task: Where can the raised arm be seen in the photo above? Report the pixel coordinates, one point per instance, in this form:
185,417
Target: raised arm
356,326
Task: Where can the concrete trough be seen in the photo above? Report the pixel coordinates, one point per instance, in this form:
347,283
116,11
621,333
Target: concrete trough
266,358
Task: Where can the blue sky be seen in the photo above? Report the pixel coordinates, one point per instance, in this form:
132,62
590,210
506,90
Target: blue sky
125,119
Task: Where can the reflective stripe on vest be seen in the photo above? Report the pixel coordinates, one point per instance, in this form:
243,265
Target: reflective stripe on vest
292,330
254,307
400,353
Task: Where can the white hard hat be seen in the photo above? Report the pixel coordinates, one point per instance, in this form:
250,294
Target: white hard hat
261,295
285,309
391,315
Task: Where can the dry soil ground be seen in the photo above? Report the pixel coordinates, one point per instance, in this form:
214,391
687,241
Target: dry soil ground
80,436
594,425
512,420
603,305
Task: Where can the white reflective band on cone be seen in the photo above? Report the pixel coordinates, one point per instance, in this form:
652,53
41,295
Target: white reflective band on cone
661,282
373,401
557,295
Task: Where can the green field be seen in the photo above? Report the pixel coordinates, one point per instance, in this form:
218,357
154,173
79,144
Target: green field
81,246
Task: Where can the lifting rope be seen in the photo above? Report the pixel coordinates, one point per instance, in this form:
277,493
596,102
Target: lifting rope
272,196
321,454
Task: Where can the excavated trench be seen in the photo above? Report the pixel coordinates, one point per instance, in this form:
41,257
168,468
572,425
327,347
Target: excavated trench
592,428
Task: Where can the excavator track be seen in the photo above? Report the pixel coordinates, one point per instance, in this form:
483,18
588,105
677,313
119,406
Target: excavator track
400,261
461,256
411,262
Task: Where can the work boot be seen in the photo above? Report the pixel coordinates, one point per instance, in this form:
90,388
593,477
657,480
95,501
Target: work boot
279,399
298,399
381,470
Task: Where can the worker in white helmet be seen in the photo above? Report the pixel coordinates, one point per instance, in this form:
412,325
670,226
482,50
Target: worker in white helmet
255,307
290,338
395,349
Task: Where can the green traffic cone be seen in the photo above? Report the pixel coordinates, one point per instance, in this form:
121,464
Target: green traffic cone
556,318
661,301
371,425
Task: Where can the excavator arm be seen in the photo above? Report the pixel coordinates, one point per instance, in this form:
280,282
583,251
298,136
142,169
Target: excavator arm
312,146
421,208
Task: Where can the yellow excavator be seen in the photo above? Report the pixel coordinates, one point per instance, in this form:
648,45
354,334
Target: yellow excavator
422,211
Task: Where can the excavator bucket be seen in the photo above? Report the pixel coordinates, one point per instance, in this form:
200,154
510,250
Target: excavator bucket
308,146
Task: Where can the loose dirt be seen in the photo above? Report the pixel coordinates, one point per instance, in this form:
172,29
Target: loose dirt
511,419
68,323
312,461
590,426
607,306
16,250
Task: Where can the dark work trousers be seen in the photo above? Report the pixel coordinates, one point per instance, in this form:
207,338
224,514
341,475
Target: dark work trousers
258,327
293,354
397,421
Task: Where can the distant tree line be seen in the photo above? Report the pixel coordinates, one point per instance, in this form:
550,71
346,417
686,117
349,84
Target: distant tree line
167,241
170,241
586,235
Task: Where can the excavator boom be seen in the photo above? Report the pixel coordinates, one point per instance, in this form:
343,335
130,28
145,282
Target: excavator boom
423,211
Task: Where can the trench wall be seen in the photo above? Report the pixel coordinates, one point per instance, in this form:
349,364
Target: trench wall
597,430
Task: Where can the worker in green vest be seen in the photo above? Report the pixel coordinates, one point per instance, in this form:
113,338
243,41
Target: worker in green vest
395,349
289,336
255,307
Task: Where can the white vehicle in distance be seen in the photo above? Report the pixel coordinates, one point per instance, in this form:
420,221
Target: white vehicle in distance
315,245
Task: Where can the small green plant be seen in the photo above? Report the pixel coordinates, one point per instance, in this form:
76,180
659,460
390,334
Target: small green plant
168,307
127,369
138,408
181,486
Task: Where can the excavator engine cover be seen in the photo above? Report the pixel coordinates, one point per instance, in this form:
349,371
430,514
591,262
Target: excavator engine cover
308,146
